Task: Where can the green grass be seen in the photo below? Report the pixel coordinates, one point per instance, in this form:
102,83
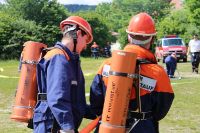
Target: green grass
183,117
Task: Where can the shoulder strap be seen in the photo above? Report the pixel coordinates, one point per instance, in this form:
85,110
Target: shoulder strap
144,61
50,52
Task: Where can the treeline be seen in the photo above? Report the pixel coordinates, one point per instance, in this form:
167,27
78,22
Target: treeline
76,8
38,20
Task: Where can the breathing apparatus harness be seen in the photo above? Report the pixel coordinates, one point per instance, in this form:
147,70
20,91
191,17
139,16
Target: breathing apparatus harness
138,115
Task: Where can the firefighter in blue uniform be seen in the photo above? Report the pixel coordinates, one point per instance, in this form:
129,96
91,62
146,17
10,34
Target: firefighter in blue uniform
171,63
152,94
95,50
61,102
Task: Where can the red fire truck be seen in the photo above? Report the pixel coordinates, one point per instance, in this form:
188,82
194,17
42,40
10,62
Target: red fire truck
170,44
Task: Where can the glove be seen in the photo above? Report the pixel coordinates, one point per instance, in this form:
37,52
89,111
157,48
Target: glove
66,131
30,124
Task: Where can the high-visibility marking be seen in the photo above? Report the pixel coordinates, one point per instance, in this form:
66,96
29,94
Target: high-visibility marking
3,76
181,83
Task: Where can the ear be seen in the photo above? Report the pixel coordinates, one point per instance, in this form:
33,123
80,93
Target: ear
129,38
78,32
152,40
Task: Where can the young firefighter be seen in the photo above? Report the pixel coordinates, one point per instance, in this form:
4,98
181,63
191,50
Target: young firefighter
171,64
155,94
61,93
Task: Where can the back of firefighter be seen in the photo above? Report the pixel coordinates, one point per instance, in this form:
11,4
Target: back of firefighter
171,64
61,103
155,96
194,51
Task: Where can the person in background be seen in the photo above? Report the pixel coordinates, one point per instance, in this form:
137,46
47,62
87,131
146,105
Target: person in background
153,101
171,64
61,103
107,50
194,51
95,50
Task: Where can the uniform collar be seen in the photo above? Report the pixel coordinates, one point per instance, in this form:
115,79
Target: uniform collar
72,56
141,52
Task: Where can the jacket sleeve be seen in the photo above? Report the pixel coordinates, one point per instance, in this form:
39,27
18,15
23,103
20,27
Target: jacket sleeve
163,97
58,91
97,93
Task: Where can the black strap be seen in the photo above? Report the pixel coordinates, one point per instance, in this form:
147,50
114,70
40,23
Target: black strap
137,89
75,43
41,97
141,115
144,61
122,74
118,74
55,127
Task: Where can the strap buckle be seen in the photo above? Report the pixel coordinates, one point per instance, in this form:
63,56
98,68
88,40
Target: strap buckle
42,97
141,115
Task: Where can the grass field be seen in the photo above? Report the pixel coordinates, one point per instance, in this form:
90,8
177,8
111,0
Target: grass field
183,117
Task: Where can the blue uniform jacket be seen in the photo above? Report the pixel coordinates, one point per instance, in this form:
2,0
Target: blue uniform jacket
171,65
171,60
63,82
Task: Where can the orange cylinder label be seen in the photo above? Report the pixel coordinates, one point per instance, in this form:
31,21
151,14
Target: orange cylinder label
118,92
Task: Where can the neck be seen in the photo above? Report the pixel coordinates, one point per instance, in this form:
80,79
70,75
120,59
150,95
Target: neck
68,42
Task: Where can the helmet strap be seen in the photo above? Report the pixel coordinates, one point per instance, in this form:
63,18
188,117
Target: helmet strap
75,43
73,29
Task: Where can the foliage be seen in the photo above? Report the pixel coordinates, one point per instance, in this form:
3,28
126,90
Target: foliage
194,7
119,12
44,12
176,23
101,33
24,20
38,20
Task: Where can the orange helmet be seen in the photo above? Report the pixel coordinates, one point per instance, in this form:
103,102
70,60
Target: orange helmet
82,23
141,24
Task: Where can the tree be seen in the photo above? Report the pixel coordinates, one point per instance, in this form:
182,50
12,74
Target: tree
44,12
178,23
101,33
13,33
194,8
120,12
23,20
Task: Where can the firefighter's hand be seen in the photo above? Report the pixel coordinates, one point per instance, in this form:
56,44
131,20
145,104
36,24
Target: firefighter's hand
66,131
30,124
127,130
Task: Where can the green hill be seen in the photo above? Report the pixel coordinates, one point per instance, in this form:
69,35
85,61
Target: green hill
76,7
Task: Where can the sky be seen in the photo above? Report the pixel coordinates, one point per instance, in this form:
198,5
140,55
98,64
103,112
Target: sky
83,2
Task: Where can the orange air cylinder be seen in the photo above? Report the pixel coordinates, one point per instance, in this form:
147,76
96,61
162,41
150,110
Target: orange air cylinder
118,92
26,95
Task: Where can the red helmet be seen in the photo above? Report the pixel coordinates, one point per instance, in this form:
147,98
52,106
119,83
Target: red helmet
141,24
82,23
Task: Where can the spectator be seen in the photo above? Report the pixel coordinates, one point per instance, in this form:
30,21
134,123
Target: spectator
194,51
